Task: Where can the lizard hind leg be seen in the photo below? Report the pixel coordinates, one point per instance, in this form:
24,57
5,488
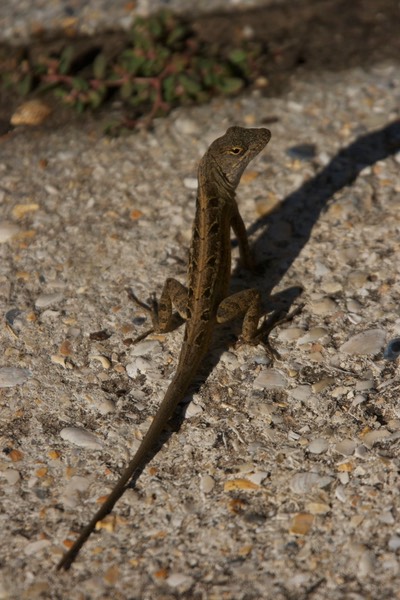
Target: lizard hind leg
247,303
161,313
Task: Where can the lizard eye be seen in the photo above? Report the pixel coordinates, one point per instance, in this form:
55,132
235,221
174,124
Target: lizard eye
236,150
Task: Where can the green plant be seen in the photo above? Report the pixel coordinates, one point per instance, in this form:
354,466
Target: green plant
162,65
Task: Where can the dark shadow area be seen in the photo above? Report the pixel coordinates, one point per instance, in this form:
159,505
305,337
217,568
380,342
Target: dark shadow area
302,208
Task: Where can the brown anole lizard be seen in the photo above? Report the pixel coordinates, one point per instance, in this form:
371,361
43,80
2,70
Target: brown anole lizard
204,303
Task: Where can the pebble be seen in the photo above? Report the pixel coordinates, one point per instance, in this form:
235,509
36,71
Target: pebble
364,384
375,436
302,483
106,406
354,306
45,300
32,112
75,487
207,483
35,547
322,384
193,410
318,508
179,580
316,333
345,447
326,306
270,379
12,476
146,347
139,365
11,376
7,231
81,437
394,543
186,126
367,342
301,392
290,334
190,183
358,399
301,524
340,493
318,446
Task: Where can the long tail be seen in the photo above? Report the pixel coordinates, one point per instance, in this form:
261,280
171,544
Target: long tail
173,397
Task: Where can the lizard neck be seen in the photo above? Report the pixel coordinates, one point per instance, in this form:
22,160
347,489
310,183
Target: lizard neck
212,181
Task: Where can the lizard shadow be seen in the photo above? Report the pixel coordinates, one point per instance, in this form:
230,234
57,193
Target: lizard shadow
301,209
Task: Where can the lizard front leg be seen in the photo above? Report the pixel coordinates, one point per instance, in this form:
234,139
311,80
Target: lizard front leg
174,294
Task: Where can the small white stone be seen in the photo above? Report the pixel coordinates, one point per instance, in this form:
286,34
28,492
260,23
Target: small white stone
367,342
7,231
179,579
366,564
290,334
377,435
270,379
207,483
354,306
11,376
45,300
302,483
186,126
81,437
326,306
190,183
257,477
345,447
361,451
394,543
35,547
193,410
301,392
318,446
12,476
106,406
358,399
340,493
72,492
137,366
364,385
146,347
316,333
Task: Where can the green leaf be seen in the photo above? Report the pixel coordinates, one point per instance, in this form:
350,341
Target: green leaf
169,88
80,84
25,85
99,66
176,35
126,90
230,85
95,98
189,85
238,56
132,61
66,59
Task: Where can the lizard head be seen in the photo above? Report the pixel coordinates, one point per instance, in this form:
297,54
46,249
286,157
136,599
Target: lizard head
233,151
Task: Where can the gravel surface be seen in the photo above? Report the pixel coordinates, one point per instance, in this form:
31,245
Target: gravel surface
22,19
282,480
